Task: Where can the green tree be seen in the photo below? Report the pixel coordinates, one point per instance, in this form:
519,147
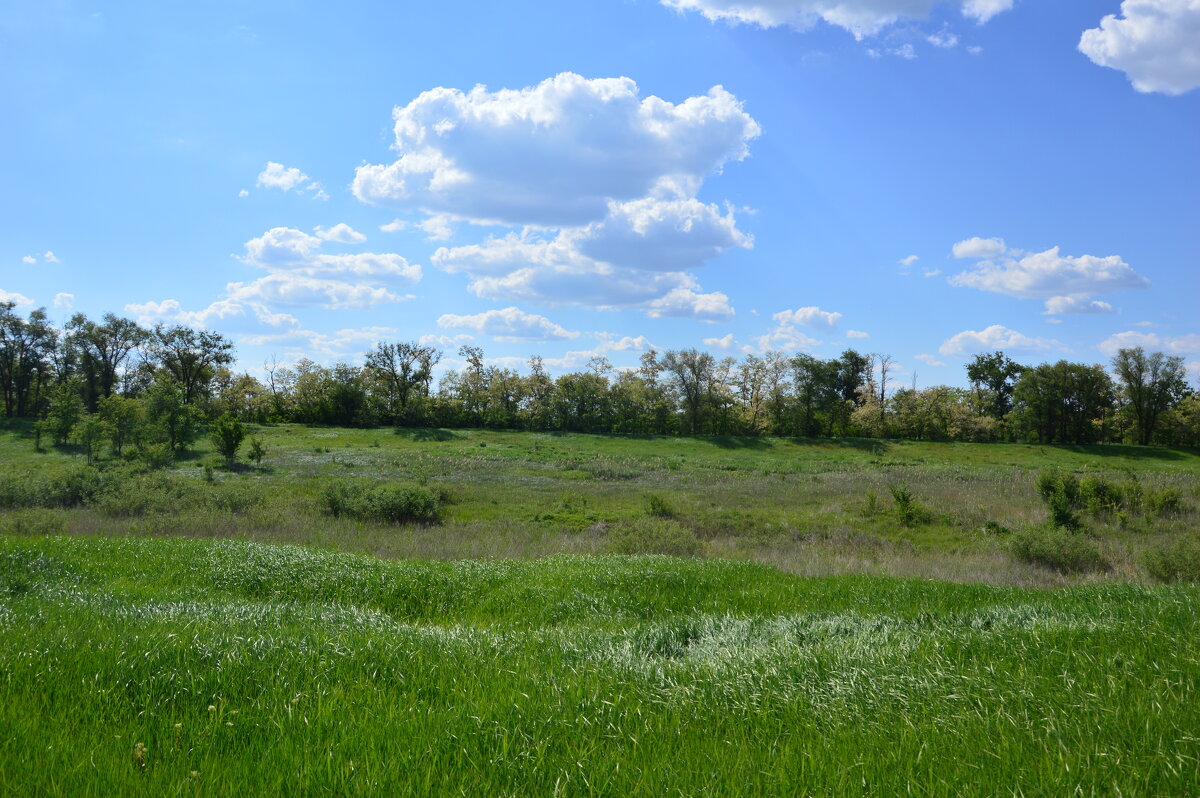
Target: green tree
90,431
190,357
64,412
175,422
1150,385
227,434
124,418
994,376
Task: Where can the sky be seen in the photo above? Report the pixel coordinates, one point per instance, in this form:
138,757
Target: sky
923,179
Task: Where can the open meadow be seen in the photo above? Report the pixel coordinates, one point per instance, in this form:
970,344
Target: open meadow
491,636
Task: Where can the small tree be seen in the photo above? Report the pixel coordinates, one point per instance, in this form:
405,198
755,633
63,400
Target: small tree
227,434
257,450
175,422
90,432
124,418
65,411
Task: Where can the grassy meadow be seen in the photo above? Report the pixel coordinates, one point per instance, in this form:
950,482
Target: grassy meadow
841,618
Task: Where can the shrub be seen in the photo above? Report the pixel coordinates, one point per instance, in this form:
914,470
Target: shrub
157,455
389,503
1061,493
653,536
227,434
258,450
1061,551
155,493
909,511
1164,501
659,507
1177,561
36,522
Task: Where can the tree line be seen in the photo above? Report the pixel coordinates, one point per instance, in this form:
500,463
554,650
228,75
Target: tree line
161,387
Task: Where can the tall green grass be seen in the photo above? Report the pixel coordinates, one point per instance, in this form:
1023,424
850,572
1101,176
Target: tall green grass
185,667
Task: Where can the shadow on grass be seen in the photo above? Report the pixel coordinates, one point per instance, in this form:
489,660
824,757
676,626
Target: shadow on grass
740,442
875,446
1125,450
424,435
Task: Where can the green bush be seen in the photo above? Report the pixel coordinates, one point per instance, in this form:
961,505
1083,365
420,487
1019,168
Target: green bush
659,507
1164,501
653,536
1061,493
388,503
154,493
909,511
1177,561
71,488
1059,550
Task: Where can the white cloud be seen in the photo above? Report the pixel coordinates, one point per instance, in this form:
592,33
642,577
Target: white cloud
309,342
1044,275
908,261
991,338
394,226
1179,345
975,49
29,259
285,249
943,38
1063,305
170,311
64,301
979,248
553,154
276,175
930,360
983,10
859,17
660,234
857,334
445,341
812,317
510,324
1156,43
931,272
342,233
243,194
285,178
437,227
556,273
684,303
727,343
299,290
50,257
20,300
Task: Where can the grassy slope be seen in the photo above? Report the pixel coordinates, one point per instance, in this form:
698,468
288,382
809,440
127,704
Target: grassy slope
804,506
250,669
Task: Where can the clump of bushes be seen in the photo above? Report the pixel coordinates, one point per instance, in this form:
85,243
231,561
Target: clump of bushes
653,536
1058,549
572,512
1066,496
1177,561
69,488
389,503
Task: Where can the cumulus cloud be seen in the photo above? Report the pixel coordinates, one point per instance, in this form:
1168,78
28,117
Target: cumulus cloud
394,226
510,324
908,261
298,290
979,248
930,360
50,257
20,300
171,311
859,17
309,342
857,334
285,249
1064,305
600,180
285,178
727,343
556,272
1178,345
1156,43
29,259
812,317
64,301
342,233
969,342
1051,275
554,154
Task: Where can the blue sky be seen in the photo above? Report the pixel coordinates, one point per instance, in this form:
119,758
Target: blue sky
924,179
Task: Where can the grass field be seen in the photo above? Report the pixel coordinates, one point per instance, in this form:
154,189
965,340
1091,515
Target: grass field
173,667
155,639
